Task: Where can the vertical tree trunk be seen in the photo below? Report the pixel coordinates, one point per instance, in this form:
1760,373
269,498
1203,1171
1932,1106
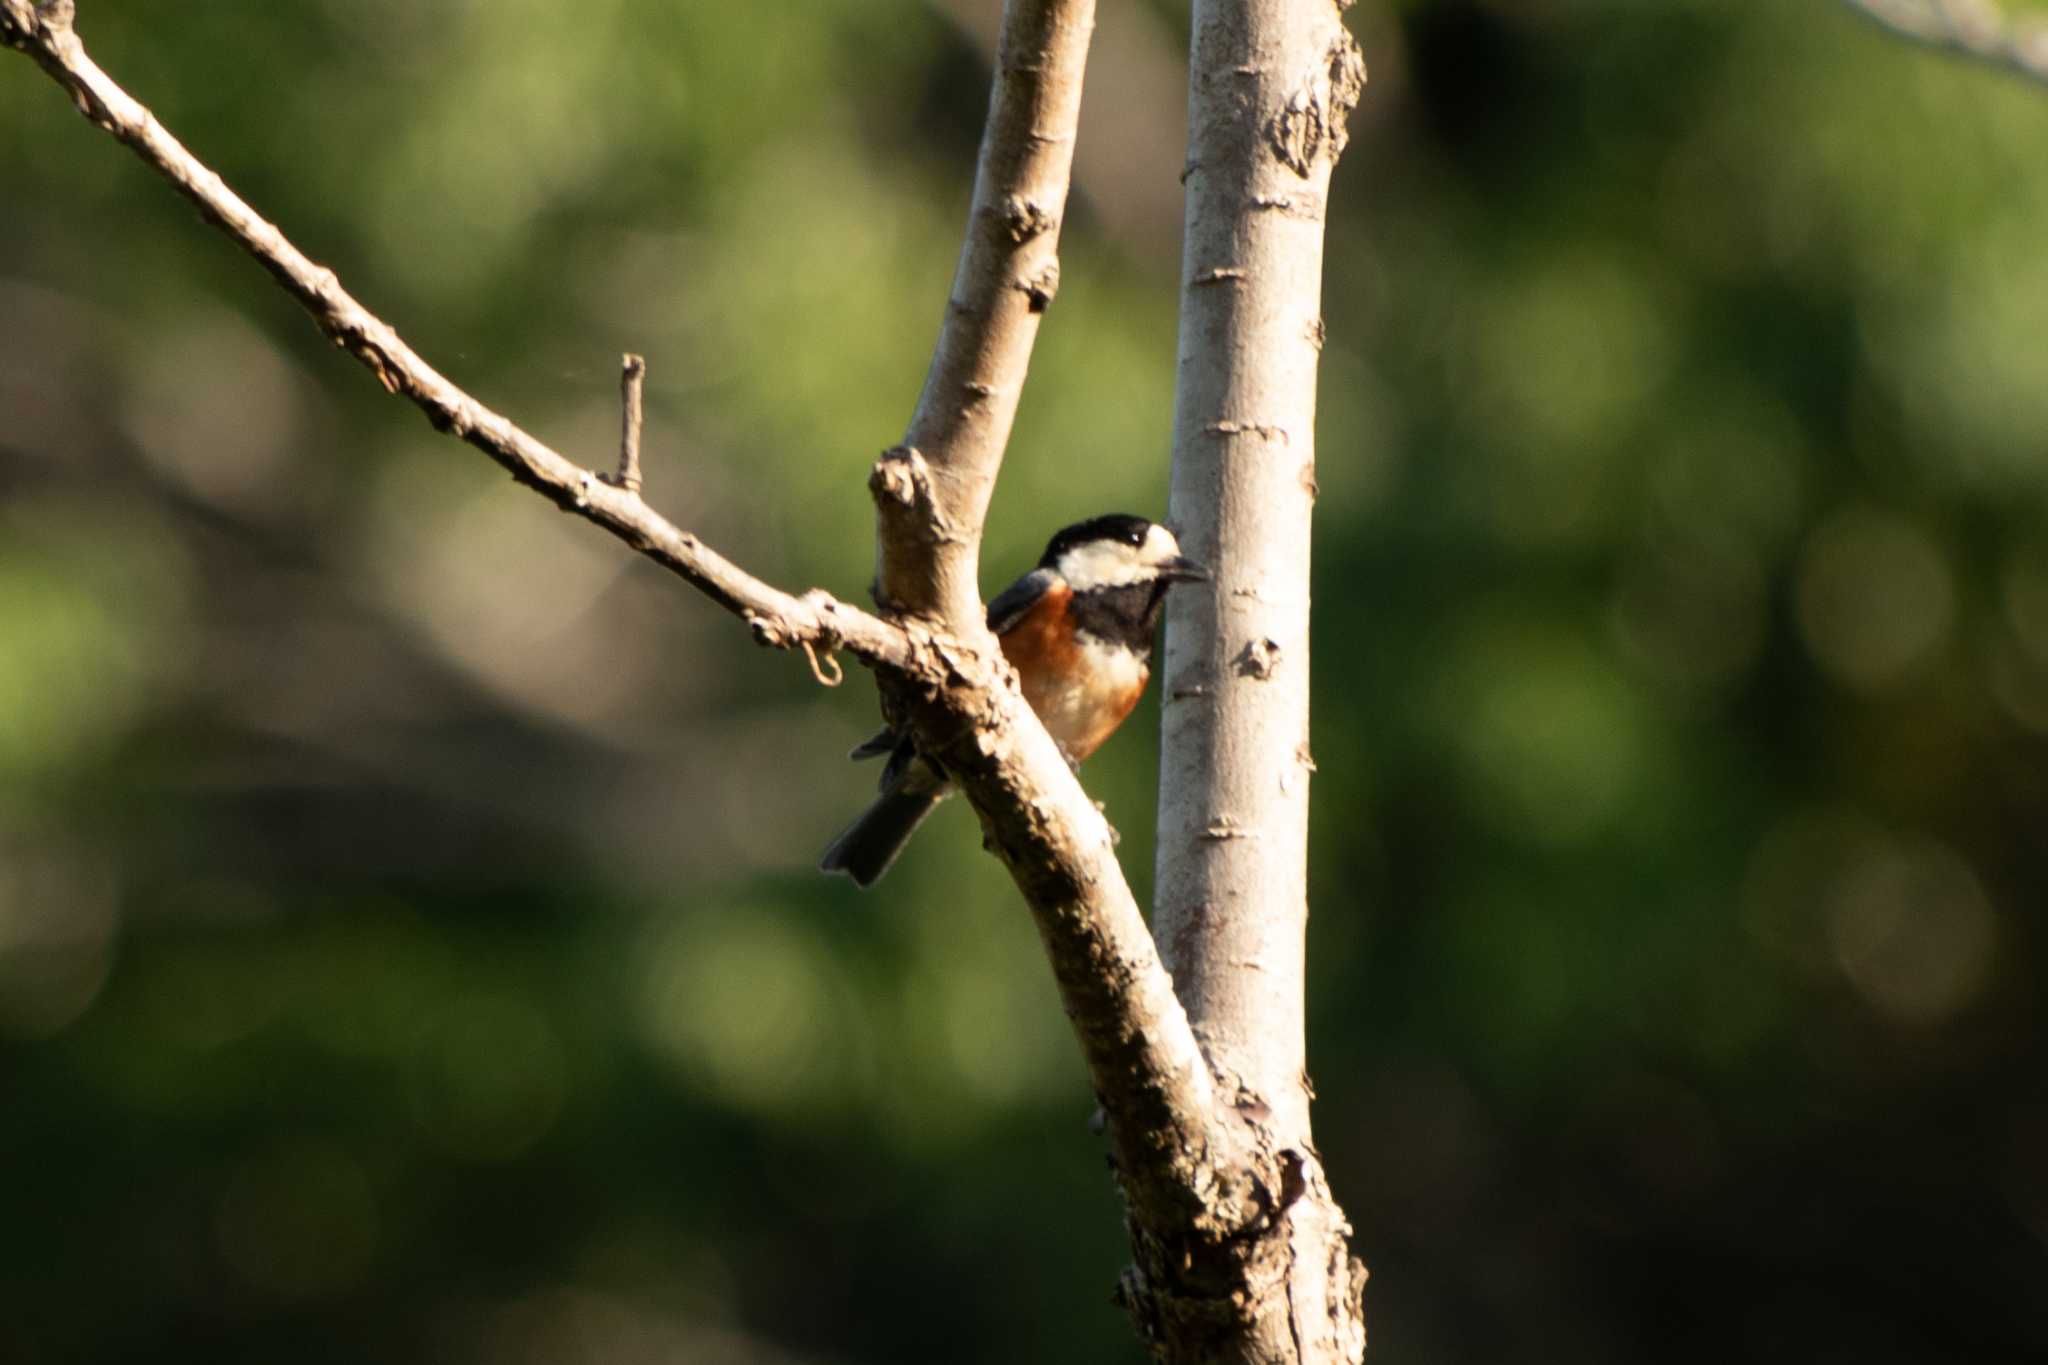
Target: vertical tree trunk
1271,85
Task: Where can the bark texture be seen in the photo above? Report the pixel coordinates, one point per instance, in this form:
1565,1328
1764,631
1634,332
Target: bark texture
1272,83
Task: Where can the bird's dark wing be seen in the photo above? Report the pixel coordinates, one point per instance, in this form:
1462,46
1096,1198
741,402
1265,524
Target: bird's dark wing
1011,604
901,752
882,742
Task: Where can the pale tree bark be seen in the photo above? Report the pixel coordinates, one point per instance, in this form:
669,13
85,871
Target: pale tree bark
1978,29
1272,83
1241,1253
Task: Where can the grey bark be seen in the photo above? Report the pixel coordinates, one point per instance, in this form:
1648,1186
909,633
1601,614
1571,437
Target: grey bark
1271,85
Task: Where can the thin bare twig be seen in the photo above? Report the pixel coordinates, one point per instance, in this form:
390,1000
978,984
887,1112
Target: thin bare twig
632,377
778,618
1977,29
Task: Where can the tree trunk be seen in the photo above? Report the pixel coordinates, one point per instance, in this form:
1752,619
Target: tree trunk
1271,85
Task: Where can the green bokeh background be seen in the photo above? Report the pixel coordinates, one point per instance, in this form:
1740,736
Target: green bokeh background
409,949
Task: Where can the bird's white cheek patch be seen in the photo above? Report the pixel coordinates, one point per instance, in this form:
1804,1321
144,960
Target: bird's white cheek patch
1113,564
1101,564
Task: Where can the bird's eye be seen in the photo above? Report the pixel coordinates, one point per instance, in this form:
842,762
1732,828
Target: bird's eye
1135,536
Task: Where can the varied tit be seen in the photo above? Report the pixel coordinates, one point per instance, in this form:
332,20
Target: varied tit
1078,629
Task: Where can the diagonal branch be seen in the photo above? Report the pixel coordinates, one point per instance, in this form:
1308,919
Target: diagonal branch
778,618
1176,1142
1968,28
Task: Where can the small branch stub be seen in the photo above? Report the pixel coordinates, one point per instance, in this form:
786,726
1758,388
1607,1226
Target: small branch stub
632,379
1026,218
1040,288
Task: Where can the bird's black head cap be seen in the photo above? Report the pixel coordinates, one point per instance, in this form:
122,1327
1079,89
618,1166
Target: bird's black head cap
1117,526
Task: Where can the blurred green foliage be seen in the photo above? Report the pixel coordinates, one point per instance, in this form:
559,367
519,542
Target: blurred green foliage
408,947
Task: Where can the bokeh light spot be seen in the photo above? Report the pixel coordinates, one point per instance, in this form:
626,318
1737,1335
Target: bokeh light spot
1691,618
57,923
1874,597
1545,730
2024,595
1577,346
299,1222
750,1009
1913,931
92,594
216,410
490,1077
996,1036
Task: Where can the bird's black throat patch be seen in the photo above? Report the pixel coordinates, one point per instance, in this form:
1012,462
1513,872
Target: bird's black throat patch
1126,615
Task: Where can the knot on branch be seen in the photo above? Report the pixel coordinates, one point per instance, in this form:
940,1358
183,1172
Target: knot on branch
1313,123
906,494
1259,659
17,18
827,631
902,477
1025,218
772,632
1041,287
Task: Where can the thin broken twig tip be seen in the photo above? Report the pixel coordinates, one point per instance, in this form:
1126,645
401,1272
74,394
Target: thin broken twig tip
632,377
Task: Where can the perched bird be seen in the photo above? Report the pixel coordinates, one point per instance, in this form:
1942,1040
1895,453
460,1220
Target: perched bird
1078,629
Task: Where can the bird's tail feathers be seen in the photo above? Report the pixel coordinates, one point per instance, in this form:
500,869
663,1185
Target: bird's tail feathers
871,843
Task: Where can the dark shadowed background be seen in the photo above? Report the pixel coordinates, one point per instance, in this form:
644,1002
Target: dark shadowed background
409,948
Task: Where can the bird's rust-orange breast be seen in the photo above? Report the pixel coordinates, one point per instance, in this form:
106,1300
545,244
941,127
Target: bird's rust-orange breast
1081,691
